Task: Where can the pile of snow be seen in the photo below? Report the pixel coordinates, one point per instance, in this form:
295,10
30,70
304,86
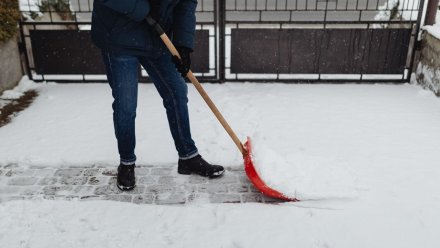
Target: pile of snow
434,30
303,177
24,85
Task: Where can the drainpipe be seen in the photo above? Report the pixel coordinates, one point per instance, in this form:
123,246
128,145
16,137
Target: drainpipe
431,12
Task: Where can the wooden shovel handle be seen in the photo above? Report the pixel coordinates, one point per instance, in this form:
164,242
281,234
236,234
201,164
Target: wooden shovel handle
200,89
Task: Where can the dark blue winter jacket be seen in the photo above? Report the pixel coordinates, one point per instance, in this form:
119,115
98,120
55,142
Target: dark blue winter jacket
120,25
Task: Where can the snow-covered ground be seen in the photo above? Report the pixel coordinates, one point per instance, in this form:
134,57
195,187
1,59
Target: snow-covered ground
375,146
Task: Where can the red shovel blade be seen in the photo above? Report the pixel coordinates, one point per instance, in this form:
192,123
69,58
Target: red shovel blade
256,179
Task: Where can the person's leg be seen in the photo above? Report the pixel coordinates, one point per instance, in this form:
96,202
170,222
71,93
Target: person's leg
122,74
173,90
174,93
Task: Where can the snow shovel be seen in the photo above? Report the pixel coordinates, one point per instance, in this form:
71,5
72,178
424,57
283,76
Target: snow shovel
246,149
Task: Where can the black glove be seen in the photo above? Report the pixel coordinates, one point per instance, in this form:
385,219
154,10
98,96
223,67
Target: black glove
183,65
155,10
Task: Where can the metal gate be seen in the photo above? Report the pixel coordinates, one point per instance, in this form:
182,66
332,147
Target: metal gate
246,40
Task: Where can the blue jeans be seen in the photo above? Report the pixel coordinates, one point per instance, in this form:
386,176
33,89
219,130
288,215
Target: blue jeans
122,74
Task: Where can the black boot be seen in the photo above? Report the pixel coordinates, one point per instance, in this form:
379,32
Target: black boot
199,166
126,178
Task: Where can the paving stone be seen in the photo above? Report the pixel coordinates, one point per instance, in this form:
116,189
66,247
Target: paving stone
33,190
70,172
48,181
234,168
253,189
224,198
267,199
238,188
173,198
109,172
11,166
23,181
9,190
60,197
142,171
157,189
213,188
190,188
120,198
225,179
240,174
139,189
107,190
19,172
73,180
252,197
112,188
155,185
161,171
98,180
146,180
196,179
243,179
91,172
90,197
145,166
44,172
143,199
168,180
112,181
57,190
83,190
12,198
5,173
82,166
198,197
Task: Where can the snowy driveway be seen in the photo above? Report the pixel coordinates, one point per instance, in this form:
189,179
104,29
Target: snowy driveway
387,136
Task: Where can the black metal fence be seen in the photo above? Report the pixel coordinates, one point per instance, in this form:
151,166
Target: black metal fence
246,40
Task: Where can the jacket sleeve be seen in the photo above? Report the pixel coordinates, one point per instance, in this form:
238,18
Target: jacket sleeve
184,26
136,10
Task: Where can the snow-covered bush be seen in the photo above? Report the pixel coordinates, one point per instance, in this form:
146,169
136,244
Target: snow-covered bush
62,7
397,10
9,17
35,9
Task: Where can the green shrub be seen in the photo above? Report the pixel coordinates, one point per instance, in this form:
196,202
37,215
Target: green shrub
9,17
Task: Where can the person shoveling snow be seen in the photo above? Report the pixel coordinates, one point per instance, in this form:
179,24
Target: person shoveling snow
126,40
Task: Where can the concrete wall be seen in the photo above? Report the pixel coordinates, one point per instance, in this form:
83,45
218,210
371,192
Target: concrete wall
427,71
10,65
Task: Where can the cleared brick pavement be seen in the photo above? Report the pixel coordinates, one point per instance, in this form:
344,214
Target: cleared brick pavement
155,185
